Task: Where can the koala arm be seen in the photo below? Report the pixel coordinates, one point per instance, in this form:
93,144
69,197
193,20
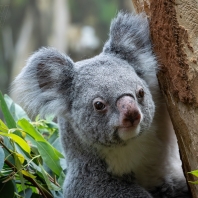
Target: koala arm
88,178
88,186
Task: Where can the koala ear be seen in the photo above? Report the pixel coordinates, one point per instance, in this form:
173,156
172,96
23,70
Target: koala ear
44,84
129,39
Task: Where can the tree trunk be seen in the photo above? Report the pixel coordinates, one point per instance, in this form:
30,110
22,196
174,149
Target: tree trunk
174,33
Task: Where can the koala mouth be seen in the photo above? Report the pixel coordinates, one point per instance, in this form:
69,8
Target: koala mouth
128,132
126,128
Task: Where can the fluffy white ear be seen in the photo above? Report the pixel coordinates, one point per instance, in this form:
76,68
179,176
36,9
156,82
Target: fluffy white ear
44,84
129,39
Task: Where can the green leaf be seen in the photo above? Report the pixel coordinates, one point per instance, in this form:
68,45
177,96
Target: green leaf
20,157
49,157
8,156
58,153
63,163
44,174
7,189
57,144
27,193
44,190
28,128
16,111
25,155
2,157
26,173
22,143
7,115
61,178
53,137
19,168
50,185
57,194
3,127
195,173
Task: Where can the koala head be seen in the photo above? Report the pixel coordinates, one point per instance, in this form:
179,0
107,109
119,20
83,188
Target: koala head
106,99
112,103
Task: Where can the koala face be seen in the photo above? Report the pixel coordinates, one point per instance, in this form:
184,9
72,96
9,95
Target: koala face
111,103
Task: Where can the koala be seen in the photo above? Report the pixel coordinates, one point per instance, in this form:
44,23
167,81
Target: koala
115,130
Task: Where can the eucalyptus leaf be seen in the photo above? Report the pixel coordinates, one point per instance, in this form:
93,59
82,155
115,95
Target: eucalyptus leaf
63,163
50,185
7,189
53,137
3,127
22,143
20,157
57,144
49,157
26,173
19,150
19,168
57,194
28,128
8,156
27,193
7,115
16,111
52,125
30,153
61,178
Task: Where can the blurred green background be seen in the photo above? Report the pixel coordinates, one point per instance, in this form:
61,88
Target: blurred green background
76,27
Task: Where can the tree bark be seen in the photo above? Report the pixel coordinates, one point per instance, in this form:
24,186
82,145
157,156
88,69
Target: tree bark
174,33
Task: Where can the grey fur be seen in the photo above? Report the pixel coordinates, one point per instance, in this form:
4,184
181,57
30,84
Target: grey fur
101,162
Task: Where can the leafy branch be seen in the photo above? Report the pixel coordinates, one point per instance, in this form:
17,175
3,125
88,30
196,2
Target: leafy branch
31,160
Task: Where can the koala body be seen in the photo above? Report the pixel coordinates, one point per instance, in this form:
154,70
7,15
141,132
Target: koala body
114,126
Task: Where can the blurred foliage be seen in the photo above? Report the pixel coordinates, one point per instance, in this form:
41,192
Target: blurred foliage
95,13
31,160
12,16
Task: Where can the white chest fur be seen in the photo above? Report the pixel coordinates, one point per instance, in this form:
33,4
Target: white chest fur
147,157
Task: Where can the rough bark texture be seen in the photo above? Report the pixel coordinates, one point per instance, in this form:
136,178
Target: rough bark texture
174,33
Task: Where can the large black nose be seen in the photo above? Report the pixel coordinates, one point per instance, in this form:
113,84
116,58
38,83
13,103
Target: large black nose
129,111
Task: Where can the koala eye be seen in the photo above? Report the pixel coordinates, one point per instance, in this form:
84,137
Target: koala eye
99,106
140,93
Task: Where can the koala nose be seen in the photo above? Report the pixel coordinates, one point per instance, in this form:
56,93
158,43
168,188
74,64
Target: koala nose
129,113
